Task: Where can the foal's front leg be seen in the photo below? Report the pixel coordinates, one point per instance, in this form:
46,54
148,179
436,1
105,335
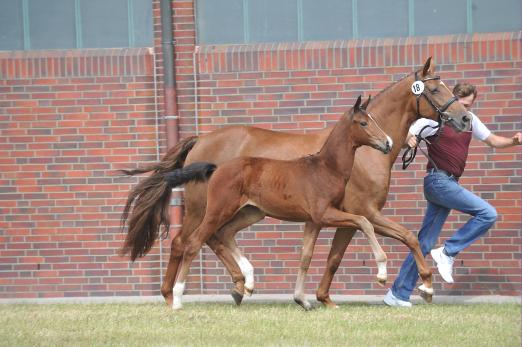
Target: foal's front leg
311,231
387,227
337,218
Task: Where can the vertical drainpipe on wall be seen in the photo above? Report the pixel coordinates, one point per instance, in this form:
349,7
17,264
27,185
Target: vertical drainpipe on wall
170,108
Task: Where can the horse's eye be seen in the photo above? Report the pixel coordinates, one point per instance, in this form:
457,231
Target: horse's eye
364,124
434,91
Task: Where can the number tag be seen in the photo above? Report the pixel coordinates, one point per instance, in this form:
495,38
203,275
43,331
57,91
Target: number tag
417,87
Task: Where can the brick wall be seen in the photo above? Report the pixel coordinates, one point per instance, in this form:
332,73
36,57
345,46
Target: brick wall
306,86
69,119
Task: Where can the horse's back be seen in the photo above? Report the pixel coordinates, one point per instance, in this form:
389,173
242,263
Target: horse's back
234,141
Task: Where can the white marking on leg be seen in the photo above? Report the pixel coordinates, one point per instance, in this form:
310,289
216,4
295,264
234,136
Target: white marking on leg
248,271
382,272
425,289
177,292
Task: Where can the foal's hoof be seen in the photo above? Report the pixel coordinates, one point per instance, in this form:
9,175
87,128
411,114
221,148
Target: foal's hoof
238,298
426,293
304,304
248,291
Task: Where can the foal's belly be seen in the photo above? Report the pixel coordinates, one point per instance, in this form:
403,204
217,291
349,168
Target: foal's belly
280,207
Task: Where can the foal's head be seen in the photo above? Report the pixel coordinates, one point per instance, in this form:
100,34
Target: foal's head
364,129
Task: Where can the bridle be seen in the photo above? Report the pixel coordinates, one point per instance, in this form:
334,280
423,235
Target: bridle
377,124
443,118
443,115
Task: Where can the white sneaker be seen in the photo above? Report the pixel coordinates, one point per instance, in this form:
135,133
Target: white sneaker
444,263
392,300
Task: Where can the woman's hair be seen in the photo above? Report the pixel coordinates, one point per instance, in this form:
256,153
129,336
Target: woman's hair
462,90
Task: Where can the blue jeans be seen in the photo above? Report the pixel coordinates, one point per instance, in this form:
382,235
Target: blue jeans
443,194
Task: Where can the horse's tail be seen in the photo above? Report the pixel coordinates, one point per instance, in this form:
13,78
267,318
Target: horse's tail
174,158
151,206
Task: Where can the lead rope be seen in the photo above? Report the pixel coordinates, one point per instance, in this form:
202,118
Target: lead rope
412,151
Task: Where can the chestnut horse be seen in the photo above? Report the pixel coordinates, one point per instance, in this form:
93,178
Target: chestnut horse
308,189
396,108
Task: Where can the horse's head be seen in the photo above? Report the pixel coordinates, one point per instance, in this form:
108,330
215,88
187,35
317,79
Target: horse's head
365,130
435,101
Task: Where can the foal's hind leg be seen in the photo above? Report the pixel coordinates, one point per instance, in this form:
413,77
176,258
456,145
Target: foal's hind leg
338,218
224,254
247,216
221,208
311,231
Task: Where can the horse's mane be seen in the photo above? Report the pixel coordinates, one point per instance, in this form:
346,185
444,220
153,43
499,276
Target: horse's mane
385,90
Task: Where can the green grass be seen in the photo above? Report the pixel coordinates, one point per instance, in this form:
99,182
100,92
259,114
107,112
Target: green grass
253,324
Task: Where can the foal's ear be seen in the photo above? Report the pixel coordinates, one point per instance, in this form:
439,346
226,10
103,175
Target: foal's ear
365,104
357,105
429,67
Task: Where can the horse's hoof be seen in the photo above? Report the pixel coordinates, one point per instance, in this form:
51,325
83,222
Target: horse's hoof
238,298
327,301
169,300
248,291
426,293
381,281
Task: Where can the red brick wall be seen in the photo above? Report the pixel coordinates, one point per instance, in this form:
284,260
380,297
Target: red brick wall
69,119
305,86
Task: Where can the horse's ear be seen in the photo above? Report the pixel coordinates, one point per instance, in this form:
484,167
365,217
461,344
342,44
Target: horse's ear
357,105
429,67
365,104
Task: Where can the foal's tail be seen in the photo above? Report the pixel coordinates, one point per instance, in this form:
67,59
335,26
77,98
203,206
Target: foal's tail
151,206
149,201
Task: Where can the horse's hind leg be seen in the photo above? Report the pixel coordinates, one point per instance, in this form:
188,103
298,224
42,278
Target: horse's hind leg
247,216
195,204
176,252
311,232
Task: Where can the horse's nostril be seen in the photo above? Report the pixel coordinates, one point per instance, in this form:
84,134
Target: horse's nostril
465,119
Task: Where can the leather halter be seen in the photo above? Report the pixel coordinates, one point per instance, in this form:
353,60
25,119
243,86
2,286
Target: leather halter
441,111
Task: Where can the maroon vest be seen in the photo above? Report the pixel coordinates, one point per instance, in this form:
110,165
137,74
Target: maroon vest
449,150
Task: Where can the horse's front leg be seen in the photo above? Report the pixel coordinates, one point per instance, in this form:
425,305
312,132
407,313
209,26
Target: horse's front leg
341,239
387,227
311,231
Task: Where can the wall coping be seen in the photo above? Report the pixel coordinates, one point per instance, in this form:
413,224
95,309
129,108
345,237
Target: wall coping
405,51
